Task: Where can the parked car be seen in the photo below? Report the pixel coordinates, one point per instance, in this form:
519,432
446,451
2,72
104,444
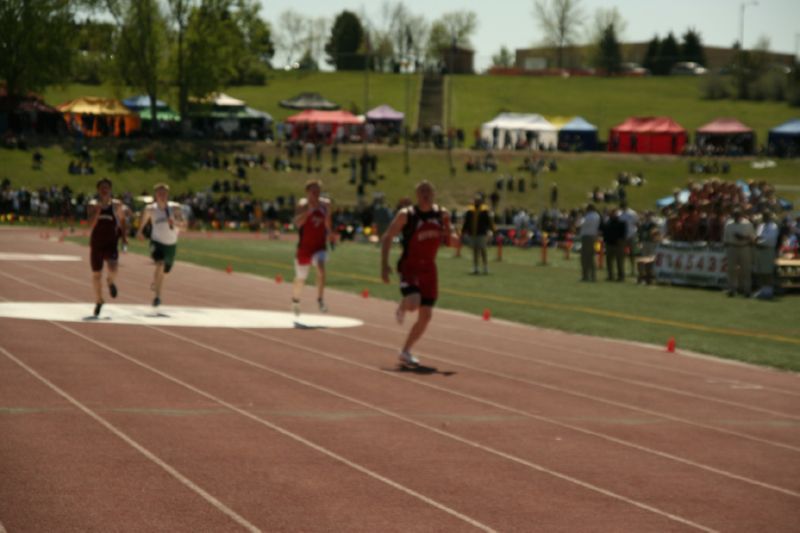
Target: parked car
633,69
688,68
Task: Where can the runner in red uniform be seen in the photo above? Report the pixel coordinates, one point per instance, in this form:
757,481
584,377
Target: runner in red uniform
107,220
313,218
423,228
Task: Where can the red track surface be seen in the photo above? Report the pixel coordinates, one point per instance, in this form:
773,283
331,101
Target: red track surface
113,428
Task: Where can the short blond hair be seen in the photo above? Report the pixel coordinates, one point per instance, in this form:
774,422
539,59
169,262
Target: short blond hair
425,183
312,183
158,186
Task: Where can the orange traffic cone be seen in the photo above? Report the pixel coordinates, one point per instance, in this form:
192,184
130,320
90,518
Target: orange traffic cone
487,314
671,345
365,293
278,279
229,269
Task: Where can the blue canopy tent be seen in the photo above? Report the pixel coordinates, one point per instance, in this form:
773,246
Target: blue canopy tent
577,135
141,105
784,140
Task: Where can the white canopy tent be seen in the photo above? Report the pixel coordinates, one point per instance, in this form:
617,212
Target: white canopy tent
516,126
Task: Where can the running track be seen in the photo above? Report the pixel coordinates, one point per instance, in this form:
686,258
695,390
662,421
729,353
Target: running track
122,428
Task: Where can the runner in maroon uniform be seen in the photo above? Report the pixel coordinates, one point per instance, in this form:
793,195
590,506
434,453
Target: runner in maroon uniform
107,220
313,218
423,228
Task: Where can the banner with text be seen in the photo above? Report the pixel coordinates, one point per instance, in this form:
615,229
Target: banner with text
688,263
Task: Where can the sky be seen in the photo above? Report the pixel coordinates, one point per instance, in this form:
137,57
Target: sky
511,23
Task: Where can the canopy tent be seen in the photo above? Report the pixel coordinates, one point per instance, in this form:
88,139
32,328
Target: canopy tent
136,103
325,117
648,135
309,101
784,140
96,117
578,135
385,113
219,112
27,113
322,125
508,130
726,135
141,105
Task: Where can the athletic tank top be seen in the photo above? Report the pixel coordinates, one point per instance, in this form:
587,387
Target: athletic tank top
313,232
422,234
106,230
162,232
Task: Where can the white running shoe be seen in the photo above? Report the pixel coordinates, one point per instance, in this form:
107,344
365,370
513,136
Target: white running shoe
407,359
322,307
400,314
296,308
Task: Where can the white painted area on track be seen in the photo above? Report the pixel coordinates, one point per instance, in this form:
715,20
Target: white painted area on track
16,256
170,315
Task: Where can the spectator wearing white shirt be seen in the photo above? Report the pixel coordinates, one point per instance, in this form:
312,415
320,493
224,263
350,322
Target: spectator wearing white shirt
631,220
739,237
588,230
764,254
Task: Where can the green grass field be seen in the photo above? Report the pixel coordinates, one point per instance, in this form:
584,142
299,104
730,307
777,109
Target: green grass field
576,177
521,290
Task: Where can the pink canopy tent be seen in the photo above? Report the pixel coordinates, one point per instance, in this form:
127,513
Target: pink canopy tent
726,135
322,125
311,116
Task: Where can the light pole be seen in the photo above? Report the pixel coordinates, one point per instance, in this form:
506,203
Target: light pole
741,21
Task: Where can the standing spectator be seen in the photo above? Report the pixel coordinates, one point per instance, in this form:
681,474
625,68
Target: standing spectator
614,238
554,196
631,220
589,228
478,226
738,238
764,255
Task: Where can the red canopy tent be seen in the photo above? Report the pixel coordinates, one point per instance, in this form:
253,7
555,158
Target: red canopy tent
648,135
726,135
322,123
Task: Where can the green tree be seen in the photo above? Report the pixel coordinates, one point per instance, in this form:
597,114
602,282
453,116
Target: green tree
345,45
503,58
139,58
692,47
253,39
609,57
668,54
211,48
36,44
453,28
94,46
650,59
561,22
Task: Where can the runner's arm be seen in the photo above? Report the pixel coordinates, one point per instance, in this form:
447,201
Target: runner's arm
450,236
93,212
146,216
301,213
122,216
386,242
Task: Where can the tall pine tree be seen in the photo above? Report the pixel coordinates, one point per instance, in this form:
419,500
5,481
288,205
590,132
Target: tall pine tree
692,47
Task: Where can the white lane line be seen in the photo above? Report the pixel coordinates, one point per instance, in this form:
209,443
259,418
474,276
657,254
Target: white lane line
633,382
521,380
634,362
452,436
541,418
584,396
135,445
589,397
277,428
266,423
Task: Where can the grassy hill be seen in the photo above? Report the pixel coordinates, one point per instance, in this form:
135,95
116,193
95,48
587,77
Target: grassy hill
475,99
